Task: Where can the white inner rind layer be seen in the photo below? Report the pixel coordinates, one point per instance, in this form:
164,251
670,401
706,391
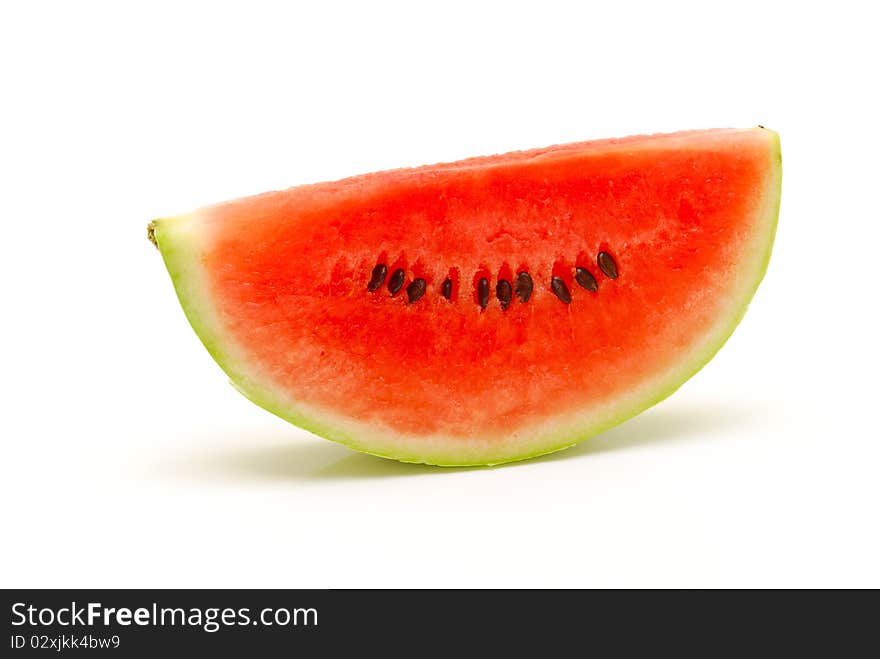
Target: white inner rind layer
180,240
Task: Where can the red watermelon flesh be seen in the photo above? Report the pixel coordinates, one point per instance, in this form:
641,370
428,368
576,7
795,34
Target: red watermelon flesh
642,252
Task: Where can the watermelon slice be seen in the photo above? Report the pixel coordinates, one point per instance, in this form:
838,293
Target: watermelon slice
486,310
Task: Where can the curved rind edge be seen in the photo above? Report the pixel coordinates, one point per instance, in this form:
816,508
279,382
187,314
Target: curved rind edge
178,241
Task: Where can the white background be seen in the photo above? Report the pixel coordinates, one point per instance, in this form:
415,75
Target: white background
128,460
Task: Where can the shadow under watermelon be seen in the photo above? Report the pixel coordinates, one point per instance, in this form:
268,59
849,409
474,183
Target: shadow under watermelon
311,459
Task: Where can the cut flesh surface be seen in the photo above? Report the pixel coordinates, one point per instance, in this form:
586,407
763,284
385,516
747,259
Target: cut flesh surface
658,242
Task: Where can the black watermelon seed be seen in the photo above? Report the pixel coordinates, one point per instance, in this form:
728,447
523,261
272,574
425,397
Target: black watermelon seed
560,290
378,277
415,290
395,283
586,279
607,264
446,289
524,286
483,292
504,291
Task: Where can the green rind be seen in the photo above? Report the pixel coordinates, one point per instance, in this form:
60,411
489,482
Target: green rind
182,259
178,241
